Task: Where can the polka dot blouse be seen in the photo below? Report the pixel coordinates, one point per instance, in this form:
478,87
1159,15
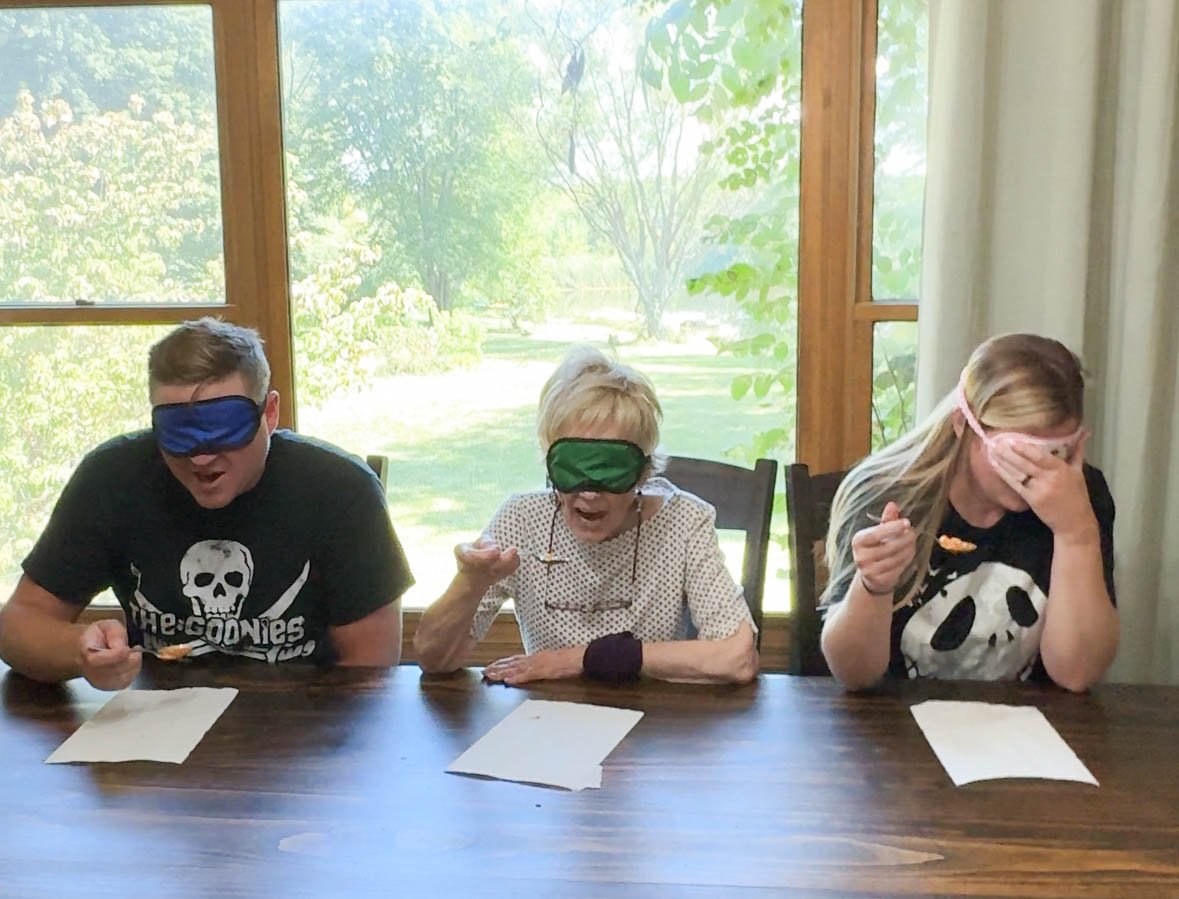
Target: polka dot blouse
584,590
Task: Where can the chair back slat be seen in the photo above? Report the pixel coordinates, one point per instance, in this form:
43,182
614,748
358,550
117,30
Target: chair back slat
744,501
808,514
380,465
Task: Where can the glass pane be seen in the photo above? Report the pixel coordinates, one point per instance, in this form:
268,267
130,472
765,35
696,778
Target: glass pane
902,98
473,187
62,391
109,173
894,372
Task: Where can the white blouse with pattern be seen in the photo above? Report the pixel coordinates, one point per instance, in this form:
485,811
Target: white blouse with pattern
584,590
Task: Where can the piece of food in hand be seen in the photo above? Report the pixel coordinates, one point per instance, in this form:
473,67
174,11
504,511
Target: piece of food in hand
173,653
955,544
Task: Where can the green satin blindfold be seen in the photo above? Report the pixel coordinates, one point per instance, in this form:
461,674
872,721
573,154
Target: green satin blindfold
576,464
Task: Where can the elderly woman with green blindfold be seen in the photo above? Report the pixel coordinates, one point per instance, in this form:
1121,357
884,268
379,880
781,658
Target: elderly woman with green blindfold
611,567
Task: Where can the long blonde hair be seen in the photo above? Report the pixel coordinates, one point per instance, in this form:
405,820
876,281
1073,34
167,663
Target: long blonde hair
1011,382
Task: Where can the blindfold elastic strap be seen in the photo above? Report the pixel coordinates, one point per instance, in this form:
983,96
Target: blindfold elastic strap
978,429
964,407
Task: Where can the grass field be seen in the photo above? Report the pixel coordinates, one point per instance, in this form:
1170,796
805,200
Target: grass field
461,441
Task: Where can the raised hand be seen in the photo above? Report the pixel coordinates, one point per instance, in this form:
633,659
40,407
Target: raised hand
883,552
484,562
1053,488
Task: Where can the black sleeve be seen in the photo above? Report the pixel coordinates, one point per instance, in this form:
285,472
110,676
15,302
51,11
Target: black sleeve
361,556
1103,509
73,558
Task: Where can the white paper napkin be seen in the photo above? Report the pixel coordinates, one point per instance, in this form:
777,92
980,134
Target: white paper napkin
147,725
982,741
559,744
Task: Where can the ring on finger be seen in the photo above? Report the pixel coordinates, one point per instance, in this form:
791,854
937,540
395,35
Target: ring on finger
1025,480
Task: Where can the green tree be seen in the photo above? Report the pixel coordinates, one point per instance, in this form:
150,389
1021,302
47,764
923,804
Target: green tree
119,205
902,98
96,59
737,64
623,147
417,118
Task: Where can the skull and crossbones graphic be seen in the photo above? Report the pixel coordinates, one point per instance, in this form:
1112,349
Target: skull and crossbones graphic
215,576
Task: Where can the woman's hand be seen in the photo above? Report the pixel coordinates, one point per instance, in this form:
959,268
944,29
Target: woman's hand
1053,488
883,551
548,664
484,562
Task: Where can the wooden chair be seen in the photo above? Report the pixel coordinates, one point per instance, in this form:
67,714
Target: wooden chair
744,501
808,513
380,464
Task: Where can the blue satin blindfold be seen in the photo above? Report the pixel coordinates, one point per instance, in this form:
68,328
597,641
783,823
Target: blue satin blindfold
206,426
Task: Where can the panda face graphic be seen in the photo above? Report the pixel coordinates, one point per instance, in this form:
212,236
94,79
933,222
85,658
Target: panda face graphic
981,625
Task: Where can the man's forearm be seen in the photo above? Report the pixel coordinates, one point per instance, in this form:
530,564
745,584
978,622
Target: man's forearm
40,647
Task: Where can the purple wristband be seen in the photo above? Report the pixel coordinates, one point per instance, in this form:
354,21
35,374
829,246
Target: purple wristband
614,658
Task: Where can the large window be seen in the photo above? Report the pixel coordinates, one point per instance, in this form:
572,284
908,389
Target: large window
422,203
473,188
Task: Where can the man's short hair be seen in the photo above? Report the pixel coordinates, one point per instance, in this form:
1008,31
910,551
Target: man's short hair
208,349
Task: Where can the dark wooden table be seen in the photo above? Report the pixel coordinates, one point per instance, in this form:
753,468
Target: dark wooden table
331,784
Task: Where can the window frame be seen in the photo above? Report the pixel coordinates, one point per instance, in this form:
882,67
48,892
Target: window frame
836,309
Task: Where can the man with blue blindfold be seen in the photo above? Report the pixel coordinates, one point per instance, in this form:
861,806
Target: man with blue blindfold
216,531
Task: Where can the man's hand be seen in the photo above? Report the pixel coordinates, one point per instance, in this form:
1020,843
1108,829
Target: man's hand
106,659
548,664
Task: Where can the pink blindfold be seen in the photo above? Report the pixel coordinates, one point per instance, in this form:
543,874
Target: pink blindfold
1061,447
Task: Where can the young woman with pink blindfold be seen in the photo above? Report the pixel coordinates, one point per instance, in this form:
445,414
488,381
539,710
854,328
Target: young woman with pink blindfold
980,545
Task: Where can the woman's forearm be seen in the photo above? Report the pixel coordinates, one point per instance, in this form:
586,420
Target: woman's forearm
1081,626
731,660
443,639
855,638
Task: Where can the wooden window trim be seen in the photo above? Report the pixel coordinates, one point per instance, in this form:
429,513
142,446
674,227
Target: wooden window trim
834,347
836,310
122,314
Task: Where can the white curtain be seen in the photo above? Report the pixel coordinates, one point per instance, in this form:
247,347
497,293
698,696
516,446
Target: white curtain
1052,206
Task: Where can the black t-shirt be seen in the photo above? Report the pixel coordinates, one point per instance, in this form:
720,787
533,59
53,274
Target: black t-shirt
308,548
979,615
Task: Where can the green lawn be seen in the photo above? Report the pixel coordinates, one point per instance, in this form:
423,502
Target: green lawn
461,441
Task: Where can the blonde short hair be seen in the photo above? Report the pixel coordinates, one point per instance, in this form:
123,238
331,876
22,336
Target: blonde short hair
209,349
588,390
